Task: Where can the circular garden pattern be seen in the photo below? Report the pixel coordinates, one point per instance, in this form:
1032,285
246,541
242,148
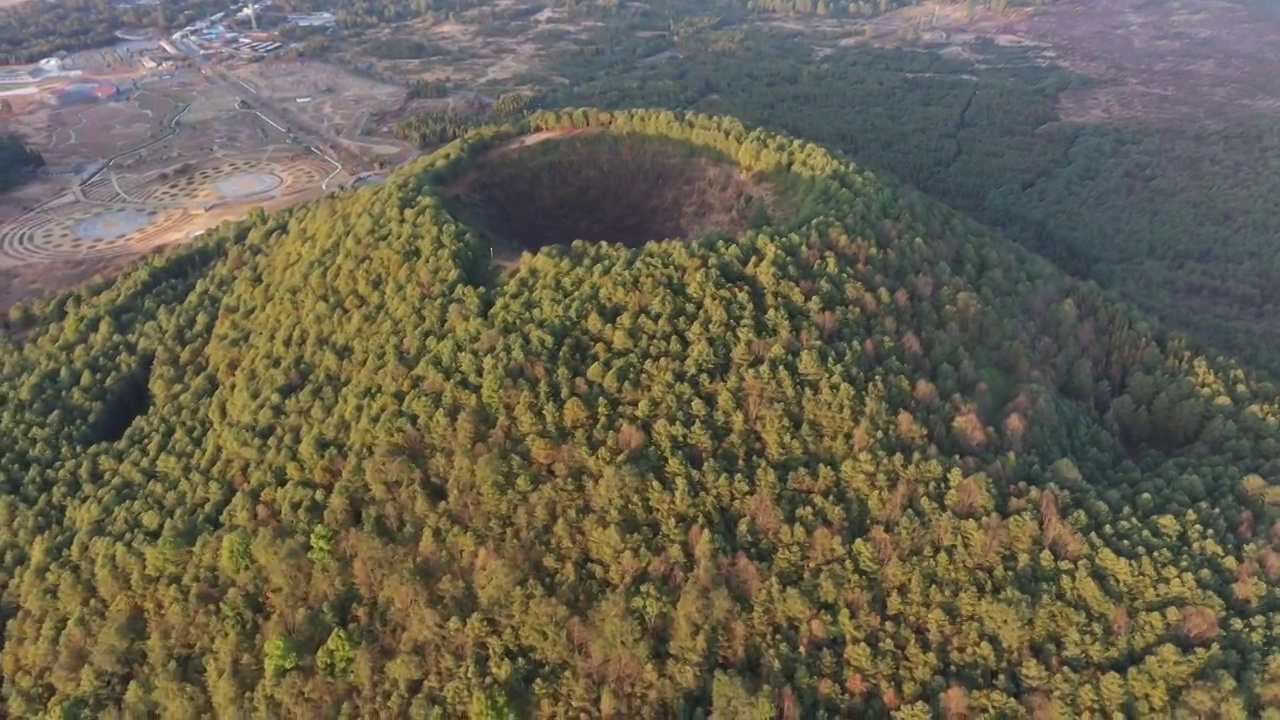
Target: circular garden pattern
112,224
128,213
246,185
232,180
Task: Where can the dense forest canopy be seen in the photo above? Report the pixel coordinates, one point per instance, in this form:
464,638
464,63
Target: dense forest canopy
863,457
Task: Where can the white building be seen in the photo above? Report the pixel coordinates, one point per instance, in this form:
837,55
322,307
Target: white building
313,19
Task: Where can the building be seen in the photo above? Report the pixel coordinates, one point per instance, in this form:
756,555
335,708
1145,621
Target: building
83,93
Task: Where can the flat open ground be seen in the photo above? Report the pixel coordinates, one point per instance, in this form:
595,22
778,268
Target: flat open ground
338,101
143,172
70,137
327,100
498,47
1173,59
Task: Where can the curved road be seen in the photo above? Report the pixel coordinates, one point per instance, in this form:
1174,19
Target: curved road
78,188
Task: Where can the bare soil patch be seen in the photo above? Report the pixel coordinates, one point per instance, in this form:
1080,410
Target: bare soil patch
1162,60
478,48
27,197
330,102
1199,60
332,99
72,136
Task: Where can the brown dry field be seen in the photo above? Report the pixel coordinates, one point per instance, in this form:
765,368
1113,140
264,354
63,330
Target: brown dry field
339,100
460,102
26,197
342,105
1163,60
75,135
474,58
1155,59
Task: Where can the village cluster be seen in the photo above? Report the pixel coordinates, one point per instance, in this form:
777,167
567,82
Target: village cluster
236,32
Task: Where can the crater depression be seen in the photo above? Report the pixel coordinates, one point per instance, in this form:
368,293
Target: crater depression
553,188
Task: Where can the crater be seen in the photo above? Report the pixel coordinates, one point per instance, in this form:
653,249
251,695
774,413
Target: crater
554,188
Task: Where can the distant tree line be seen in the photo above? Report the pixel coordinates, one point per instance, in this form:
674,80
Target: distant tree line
427,130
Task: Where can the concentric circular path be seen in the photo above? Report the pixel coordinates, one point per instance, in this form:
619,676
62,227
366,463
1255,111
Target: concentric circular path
129,213
83,231
231,180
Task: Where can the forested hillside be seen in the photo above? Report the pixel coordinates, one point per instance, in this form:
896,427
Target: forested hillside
863,457
1170,216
